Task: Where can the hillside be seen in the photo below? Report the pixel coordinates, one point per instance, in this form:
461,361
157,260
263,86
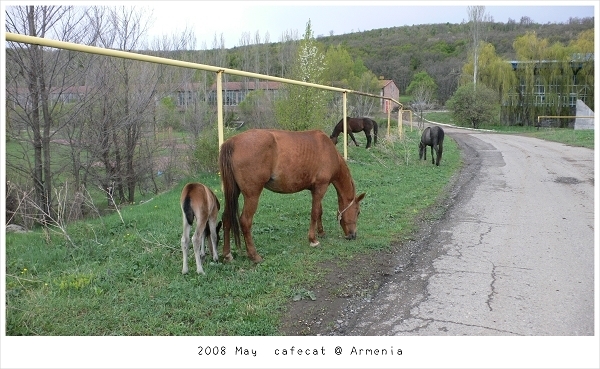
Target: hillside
441,49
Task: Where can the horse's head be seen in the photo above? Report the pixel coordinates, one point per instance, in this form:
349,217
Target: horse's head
348,217
421,150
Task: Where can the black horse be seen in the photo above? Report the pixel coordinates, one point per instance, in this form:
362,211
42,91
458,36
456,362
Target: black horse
356,125
434,137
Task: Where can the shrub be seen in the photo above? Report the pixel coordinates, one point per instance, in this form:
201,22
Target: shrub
206,153
472,106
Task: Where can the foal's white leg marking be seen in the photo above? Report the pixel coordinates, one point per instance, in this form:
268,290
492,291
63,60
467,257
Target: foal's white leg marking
185,242
213,240
314,244
198,241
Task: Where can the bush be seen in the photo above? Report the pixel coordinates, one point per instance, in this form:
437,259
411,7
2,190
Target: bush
470,107
206,153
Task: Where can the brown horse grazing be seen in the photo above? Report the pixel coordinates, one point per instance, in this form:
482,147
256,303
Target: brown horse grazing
434,137
356,125
198,201
283,162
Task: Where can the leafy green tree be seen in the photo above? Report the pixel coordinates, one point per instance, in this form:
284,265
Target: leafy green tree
421,80
584,42
471,107
530,47
299,107
342,71
340,67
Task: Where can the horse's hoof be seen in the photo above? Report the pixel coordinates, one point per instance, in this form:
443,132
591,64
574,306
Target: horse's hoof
227,258
257,259
314,244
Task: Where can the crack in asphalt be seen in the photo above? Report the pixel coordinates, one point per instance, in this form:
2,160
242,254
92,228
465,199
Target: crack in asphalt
432,321
493,288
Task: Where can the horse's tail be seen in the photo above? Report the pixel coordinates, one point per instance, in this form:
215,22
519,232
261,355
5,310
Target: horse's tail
187,209
231,192
440,142
374,131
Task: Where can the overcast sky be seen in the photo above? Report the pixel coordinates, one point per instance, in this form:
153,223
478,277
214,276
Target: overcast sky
232,19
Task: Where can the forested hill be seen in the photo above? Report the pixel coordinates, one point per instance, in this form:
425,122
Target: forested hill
441,49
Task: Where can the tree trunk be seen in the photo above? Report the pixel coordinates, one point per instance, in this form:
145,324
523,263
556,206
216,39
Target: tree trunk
41,183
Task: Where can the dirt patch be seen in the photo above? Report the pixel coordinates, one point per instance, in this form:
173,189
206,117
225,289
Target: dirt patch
342,286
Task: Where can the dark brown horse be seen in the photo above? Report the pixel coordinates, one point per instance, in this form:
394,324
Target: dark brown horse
199,202
356,125
434,137
283,162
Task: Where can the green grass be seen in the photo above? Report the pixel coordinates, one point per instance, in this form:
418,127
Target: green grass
124,278
583,138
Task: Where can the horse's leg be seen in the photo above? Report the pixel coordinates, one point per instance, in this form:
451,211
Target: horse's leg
250,206
185,242
198,242
352,137
368,134
432,157
316,214
214,237
226,240
439,153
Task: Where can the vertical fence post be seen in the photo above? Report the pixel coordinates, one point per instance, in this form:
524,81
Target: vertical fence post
345,123
400,122
389,114
388,122
220,107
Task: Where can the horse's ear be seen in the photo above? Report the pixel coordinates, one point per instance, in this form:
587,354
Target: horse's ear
360,197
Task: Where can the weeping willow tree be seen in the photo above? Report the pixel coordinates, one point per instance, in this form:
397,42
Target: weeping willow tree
546,80
551,78
493,71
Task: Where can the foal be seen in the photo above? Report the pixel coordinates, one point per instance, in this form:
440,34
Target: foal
198,201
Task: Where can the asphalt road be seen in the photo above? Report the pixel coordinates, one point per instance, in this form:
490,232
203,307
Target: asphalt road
513,254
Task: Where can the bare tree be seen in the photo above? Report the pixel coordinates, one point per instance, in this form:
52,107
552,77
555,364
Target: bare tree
124,113
476,19
422,99
363,105
40,85
267,53
288,46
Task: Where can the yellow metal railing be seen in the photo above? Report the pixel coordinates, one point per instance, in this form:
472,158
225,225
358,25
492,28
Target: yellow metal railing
219,70
561,117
